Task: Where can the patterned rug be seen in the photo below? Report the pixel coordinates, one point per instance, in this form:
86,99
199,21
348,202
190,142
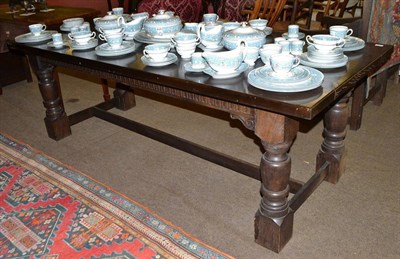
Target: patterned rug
50,210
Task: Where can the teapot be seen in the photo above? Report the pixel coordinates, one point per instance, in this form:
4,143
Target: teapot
210,35
108,22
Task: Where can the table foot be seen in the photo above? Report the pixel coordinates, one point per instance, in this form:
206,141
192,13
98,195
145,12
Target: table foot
273,233
125,97
332,150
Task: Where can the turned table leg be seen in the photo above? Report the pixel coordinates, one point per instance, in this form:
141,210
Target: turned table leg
332,149
56,120
274,219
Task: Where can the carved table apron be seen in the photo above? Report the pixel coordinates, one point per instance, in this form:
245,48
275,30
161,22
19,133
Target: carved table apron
273,117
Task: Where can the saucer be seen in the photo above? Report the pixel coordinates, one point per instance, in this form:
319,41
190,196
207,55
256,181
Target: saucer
188,67
169,59
90,45
30,38
301,36
216,48
105,49
65,28
353,44
209,71
304,60
312,79
58,46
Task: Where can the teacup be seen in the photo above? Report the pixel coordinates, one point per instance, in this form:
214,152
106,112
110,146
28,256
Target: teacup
112,31
259,24
340,31
252,54
285,46
293,31
185,38
72,22
282,63
185,50
156,51
198,61
82,37
57,39
296,47
191,26
268,50
114,40
84,27
210,17
37,28
278,39
118,10
325,42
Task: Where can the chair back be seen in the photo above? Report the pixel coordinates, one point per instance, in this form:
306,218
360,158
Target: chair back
266,9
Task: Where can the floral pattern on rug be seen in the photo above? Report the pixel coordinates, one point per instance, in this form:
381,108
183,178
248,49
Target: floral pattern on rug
50,210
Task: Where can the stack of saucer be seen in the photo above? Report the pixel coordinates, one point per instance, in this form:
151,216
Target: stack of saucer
353,44
335,55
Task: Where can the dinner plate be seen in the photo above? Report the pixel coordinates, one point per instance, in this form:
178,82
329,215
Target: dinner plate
314,80
209,71
304,60
105,50
90,45
169,59
30,38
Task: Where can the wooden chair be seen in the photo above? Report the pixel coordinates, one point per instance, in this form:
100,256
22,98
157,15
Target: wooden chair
266,9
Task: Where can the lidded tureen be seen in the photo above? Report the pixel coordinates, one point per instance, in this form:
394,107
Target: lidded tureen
252,37
108,22
162,25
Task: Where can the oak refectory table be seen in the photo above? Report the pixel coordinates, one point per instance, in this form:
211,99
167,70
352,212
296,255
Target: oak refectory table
274,118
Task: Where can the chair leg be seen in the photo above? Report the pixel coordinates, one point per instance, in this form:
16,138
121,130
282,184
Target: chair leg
106,93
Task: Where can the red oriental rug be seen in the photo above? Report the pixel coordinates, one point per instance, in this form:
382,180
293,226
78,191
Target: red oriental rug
50,210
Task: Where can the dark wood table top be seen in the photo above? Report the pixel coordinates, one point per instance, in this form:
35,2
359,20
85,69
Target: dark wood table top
305,105
52,19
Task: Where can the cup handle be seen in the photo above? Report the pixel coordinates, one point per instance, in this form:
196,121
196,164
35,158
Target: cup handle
93,35
44,27
201,27
145,54
309,40
101,36
349,32
217,18
70,36
173,41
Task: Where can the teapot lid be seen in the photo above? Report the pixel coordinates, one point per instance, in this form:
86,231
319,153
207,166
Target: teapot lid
162,17
244,32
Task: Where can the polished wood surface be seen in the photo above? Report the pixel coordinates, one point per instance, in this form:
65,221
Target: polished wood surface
52,19
274,118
